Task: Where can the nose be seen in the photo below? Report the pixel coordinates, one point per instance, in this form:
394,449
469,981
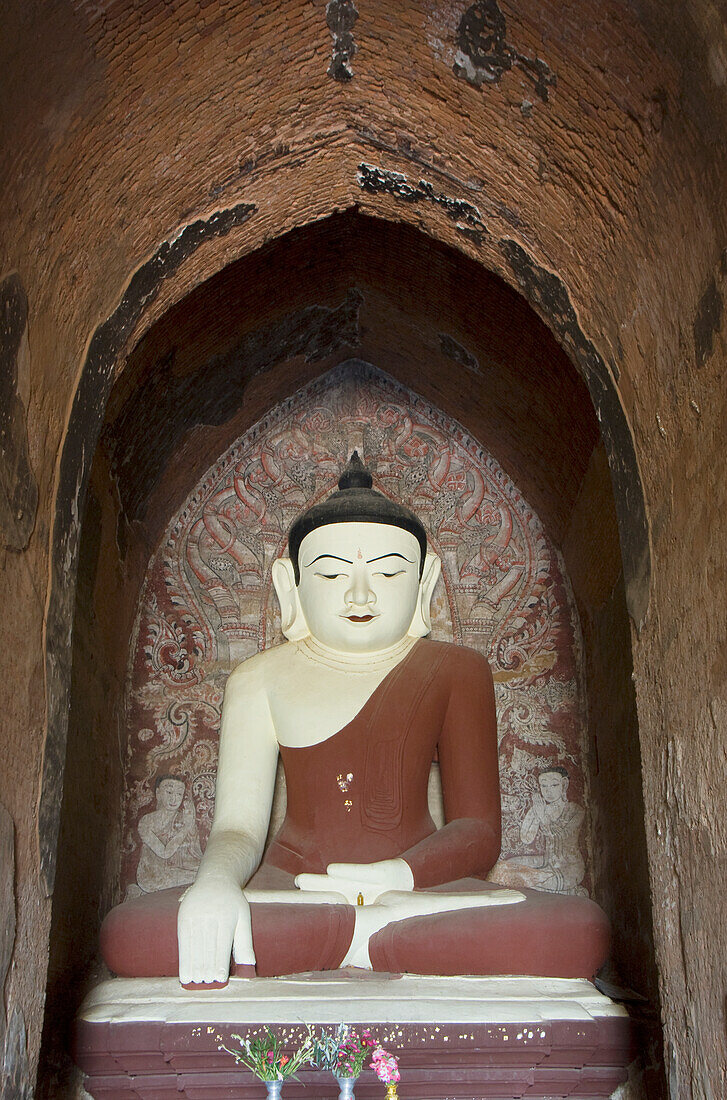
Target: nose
360,593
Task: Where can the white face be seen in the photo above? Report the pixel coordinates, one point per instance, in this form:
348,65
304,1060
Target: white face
359,584
553,786
170,794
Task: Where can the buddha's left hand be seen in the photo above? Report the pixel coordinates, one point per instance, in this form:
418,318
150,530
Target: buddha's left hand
369,879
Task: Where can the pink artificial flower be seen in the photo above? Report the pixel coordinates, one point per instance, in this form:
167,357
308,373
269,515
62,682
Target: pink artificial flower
385,1066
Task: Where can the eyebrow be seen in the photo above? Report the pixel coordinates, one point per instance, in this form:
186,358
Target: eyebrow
370,561
393,554
335,557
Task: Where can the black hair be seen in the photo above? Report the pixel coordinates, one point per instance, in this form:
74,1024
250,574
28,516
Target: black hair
355,501
177,779
557,768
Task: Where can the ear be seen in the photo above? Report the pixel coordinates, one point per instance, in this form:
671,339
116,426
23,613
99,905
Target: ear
292,619
421,624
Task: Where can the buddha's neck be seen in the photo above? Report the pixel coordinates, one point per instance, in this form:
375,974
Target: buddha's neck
379,661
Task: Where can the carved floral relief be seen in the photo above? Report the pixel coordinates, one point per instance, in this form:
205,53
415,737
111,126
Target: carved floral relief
207,603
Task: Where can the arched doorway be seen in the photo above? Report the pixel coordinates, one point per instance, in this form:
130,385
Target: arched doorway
250,337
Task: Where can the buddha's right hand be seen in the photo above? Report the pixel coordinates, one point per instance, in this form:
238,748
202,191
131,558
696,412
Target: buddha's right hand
213,923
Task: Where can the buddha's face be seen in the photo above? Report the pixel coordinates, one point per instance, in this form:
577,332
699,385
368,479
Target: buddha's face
553,786
359,584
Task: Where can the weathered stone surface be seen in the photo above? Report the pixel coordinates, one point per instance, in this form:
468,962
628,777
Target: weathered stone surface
147,114
7,891
707,322
80,440
7,904
550,297
18,487
465,215
341,16
16,1081
484,54
458,352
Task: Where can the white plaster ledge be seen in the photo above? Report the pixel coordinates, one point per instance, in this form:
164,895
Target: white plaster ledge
408,999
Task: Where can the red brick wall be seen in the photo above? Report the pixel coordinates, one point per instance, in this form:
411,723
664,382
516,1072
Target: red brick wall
124,123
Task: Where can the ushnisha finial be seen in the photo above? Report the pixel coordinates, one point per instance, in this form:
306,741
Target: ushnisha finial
355,475
355,501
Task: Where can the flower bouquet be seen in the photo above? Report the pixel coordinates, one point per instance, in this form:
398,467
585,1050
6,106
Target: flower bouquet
264,1058
343,1053
386,1068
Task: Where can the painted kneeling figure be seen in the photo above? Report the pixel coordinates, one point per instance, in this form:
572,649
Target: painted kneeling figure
356,703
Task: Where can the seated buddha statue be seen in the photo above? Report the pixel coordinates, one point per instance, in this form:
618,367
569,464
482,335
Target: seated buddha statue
356,702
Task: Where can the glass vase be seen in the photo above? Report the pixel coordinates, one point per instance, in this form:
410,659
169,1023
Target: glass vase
345,1087
274,1089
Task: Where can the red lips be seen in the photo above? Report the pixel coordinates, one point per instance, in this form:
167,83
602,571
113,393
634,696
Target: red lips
359,618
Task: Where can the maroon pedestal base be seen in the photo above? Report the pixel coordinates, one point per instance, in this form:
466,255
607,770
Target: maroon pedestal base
584,1056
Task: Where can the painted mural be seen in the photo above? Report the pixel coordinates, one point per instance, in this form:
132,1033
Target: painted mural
207,604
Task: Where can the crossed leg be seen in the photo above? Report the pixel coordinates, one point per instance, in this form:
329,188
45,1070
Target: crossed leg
544,934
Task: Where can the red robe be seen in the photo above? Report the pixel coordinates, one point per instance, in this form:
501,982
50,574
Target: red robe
361,796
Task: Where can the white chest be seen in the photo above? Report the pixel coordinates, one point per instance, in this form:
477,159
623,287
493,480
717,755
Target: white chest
312,703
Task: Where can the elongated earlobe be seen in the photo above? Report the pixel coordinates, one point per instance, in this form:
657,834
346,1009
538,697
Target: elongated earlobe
292,619
421,624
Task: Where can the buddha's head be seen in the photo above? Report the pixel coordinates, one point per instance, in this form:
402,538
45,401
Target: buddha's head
359,577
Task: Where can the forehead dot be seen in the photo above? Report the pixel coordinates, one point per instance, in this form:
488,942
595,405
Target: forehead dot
359,555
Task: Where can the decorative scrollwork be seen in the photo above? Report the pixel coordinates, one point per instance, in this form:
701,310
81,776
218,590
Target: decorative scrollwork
207,600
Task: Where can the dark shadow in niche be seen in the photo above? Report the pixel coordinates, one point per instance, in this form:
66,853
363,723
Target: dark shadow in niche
166,405
18,487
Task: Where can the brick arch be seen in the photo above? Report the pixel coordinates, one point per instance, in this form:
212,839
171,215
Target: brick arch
548,296
614,182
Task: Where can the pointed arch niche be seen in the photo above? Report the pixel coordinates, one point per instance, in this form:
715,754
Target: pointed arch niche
235,408
207,603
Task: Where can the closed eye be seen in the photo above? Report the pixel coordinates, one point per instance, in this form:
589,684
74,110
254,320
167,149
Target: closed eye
331,576
396,574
